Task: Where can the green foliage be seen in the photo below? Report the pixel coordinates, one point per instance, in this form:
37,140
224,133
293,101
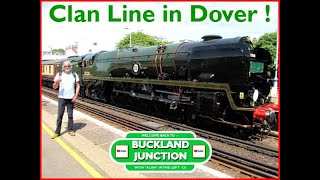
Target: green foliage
140,39
60,51
269,42
254,42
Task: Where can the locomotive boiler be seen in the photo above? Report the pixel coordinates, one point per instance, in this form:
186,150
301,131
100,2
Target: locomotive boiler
225,80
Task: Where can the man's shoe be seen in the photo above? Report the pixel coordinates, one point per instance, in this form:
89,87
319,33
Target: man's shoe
54,136
72,133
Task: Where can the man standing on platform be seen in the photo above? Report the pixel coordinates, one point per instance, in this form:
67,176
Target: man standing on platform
69,87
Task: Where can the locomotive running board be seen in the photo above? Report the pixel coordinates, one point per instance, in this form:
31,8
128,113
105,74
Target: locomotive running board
200,85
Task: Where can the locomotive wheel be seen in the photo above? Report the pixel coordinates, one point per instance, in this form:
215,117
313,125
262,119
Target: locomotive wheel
153,109
181,116
130,102
123,101
236,131
114,99
193,118
82,92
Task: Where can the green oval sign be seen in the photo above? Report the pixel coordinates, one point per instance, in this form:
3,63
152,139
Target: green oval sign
155,151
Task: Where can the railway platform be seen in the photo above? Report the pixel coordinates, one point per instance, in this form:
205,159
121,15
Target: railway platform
86,155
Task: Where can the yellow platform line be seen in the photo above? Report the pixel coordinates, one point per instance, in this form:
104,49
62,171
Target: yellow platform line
82,162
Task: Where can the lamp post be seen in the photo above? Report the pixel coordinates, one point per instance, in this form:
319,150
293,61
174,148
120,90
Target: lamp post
161,38
130,36
274,89
95,46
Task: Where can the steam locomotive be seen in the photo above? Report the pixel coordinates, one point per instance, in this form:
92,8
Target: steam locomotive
224,80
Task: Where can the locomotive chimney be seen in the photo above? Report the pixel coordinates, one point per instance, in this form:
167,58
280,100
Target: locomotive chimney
210,37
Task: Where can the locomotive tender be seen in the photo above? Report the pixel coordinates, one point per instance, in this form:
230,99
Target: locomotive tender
225,80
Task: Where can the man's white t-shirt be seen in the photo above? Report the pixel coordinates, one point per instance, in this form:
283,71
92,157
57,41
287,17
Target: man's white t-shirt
67,85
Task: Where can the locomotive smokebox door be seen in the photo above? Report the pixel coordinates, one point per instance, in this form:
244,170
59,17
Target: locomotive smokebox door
136,68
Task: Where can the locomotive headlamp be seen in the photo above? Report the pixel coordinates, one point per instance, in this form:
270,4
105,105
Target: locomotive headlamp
255,95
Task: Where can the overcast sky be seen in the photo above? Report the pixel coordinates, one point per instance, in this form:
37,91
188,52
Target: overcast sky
106,34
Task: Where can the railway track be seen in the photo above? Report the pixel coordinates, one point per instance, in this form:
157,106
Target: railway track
248,166
182,127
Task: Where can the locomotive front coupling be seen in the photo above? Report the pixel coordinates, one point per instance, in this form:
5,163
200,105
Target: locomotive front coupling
266,114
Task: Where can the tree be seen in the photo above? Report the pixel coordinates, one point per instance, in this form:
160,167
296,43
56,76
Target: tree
59,51
140,39
269,42
254,41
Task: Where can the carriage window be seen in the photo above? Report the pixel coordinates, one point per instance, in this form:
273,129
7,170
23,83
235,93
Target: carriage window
50,70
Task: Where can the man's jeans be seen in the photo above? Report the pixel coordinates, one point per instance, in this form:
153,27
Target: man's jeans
62,103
